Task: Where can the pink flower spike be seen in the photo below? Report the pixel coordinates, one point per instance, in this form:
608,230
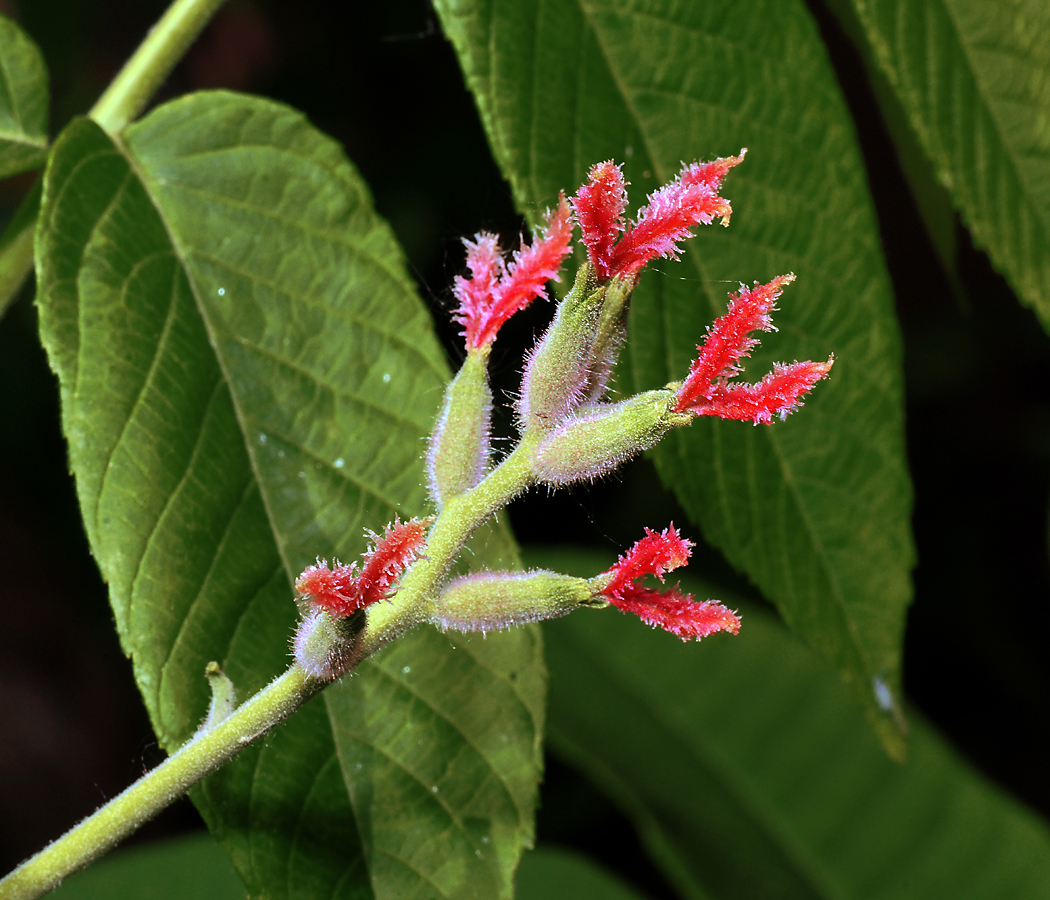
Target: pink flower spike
711,173
343,590
332,589
691,199
495,292
655,554
478,294
599,208
531,268
728,340
394,552
679,613
780,392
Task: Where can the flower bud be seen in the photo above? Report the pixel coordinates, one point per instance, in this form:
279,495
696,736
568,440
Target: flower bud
575,357
493,600
458,454
323,643
558,368
609,336
602,437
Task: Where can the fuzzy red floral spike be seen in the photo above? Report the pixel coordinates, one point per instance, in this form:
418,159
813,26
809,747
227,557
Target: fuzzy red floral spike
599,208
691,199
343,590
394,552
728,340
780,392
656,554
496,291
707,392
679,613
333,589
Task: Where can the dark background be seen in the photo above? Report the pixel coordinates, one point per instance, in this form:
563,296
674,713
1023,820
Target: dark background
382,80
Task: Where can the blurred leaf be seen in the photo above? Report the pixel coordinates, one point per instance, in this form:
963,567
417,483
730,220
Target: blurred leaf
247,376
551,873
974,80
186,868
16,248
750,774
23,102
816,509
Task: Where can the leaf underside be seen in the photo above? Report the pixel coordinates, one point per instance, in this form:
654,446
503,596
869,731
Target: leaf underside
247,378
815,510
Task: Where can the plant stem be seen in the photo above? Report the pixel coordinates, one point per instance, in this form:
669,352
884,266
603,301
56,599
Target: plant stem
203,754
455,524
149,66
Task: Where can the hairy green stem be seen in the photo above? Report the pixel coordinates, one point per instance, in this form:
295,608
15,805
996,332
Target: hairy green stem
219,742
155,790
151,63
460,518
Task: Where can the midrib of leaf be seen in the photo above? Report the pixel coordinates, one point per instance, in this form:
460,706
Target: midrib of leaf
787,474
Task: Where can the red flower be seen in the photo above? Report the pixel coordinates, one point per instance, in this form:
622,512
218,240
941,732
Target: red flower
342,590
495,291
655,554
692,198
707,391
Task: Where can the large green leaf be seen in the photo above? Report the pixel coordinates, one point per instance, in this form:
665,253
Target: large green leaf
815,509
751,774
974,80
247,377
23,102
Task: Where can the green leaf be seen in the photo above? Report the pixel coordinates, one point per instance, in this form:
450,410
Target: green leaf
815,509
16,248
23,102
974,80
750,773
551,873
247,377
185,868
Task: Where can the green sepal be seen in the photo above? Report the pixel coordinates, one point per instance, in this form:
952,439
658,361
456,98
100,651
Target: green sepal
458,453
493,600
604,436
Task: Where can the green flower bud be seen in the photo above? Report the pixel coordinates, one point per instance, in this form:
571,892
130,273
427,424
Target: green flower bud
458,454
601,437
493,600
